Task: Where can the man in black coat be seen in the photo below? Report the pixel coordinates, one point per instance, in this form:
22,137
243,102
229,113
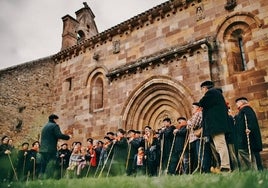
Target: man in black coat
133,145
248,138
215,120
49,138
178,146
166,136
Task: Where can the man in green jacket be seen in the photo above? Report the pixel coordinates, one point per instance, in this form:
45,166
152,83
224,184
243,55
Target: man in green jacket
49,138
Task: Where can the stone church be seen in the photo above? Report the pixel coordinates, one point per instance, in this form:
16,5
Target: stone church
142,70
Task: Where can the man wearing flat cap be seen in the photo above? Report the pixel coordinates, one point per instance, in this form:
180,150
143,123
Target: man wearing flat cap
247,127
49,138
215,121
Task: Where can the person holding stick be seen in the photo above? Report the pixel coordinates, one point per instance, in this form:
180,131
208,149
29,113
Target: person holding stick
119,159
215,121
178,144
249,142
133,145
35,159
166,136
63,157
7,171
23,163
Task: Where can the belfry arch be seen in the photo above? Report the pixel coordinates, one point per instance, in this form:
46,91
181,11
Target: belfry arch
153,100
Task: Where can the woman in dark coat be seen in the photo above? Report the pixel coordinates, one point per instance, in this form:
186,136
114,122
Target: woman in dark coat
247,123
152,152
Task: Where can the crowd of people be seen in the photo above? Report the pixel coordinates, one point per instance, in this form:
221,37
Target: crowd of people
210,141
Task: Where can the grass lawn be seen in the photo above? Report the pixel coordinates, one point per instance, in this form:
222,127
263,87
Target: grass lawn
250,179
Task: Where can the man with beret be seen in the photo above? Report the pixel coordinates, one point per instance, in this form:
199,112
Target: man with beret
63,157
248,136
23,162
215,121
50,135
5,152
166,136
133,145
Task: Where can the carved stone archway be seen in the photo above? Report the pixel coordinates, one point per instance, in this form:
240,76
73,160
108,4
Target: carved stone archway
155,99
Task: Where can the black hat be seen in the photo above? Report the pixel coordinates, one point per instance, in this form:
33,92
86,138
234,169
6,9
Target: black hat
121,131
110,133
53,116
181,118
131,131
241,98
167,119
90,140
196,104
107,137
207,83
25,143
35,143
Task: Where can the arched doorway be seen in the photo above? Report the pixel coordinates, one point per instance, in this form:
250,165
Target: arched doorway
155,99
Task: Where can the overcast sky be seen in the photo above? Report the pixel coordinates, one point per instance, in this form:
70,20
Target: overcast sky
31,29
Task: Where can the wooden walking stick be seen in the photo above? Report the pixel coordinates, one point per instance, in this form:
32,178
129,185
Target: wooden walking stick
183,151
161,155
32,158
28,176
24,163
106,160
189,157
88,169
98,167
170,153
200,161
10,160
248,141
110,165
128,154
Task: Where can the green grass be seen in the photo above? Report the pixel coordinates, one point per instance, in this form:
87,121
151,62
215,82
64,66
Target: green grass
250,179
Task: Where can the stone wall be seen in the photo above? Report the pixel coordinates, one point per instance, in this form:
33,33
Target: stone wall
26,93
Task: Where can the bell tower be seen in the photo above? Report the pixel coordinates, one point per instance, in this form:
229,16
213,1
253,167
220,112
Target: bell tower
79,29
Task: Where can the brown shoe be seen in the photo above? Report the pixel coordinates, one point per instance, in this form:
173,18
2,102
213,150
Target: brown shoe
215,170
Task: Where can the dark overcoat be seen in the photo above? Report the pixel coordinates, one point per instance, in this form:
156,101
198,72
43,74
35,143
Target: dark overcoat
49,137
255,134
167,138
215,113
121,150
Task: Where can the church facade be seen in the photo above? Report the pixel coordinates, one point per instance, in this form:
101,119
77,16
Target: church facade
144,69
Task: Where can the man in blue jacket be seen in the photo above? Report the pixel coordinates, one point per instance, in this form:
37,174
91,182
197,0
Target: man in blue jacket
49,138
